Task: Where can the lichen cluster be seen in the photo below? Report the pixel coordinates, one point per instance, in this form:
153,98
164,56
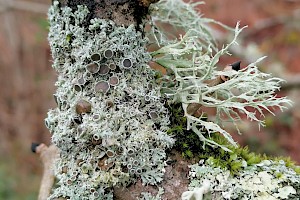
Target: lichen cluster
111,123
269,180
116,117
192,60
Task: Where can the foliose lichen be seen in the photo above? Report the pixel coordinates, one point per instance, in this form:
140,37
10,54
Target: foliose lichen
266,180
149,196
110,111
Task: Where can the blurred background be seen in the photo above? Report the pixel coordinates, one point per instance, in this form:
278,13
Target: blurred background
27,81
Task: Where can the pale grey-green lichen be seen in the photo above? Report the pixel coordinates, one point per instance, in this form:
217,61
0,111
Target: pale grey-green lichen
149,196
111,123
256,182
197,193
192,59
111,120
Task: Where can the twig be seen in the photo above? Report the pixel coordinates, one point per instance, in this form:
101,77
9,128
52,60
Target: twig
48,156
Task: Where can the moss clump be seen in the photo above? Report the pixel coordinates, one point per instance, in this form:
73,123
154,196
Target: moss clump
189,145
187,142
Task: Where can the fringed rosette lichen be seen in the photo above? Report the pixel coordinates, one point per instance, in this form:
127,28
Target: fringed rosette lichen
110,112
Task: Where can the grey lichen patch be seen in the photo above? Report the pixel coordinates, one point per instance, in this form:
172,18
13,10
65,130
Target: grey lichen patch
104,132
149,196
267,180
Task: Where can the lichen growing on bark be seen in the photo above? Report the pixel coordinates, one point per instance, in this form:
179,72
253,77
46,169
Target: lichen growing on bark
117,119
110,111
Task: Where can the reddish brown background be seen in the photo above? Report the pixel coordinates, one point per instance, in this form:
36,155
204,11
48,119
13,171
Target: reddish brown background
27,84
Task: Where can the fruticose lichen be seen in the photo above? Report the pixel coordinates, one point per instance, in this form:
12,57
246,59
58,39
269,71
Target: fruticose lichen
110,113
191,61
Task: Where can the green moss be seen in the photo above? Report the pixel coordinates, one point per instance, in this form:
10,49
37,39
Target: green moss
187,142
189,145
278,174
68,37
297,169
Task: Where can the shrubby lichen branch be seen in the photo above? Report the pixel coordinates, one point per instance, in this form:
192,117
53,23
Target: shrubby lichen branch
192,62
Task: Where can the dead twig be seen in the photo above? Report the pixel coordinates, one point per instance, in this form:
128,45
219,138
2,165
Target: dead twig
48,155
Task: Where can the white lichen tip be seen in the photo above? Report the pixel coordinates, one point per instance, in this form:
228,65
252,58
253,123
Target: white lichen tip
197,193
284,192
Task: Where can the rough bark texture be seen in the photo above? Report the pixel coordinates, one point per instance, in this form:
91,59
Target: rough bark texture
124,12
175,181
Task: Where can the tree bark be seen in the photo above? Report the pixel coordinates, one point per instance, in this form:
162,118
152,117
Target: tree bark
175,181
122,12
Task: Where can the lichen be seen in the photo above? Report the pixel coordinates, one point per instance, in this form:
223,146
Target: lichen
257,181
191,61
197,193
116,117
110,111
149,196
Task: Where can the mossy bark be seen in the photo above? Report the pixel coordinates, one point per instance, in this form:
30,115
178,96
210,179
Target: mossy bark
122,12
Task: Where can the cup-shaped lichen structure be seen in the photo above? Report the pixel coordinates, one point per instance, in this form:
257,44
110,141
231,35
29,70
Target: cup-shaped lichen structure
109,125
